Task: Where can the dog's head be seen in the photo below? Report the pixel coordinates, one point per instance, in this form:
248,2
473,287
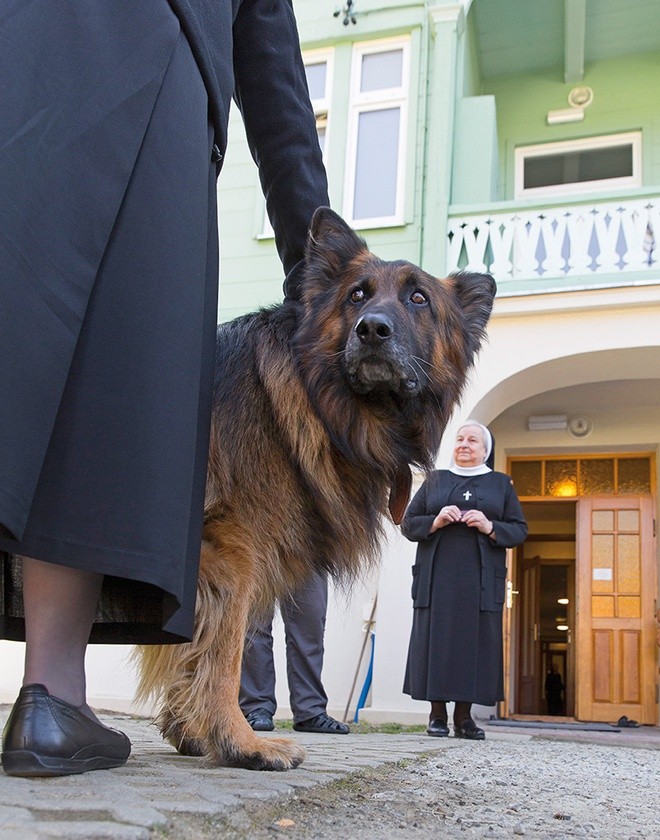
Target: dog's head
385,347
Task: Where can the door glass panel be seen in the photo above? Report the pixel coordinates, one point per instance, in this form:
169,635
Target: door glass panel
628,571
602,606
526,477
602,558
597,477
602,520
561,478
628,520
634,475
629,606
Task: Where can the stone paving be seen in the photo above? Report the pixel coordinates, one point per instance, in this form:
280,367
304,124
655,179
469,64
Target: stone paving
135,801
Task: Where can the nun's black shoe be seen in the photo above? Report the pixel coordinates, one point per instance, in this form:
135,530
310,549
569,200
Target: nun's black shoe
469,729
438,728
45,736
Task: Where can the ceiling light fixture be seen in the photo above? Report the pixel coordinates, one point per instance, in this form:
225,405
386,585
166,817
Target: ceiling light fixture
546,422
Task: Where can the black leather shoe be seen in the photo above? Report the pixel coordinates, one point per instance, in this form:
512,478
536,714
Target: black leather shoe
469,729
45,736
260,720
323,724
438,728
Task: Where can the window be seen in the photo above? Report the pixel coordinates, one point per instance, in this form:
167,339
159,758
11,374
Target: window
578,166
583,476
377,130
318,69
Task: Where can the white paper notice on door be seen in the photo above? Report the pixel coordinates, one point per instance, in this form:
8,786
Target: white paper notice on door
602,574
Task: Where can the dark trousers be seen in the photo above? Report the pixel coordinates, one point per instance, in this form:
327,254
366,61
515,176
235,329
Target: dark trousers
304,626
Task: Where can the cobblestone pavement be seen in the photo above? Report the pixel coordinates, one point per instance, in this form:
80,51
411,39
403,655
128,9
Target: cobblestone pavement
157,788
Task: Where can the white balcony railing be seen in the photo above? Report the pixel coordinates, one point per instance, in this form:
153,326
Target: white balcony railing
585,240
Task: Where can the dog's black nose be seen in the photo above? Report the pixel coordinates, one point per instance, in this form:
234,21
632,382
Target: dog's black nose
374,327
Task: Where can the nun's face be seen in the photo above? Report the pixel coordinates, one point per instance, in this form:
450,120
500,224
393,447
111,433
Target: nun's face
470,448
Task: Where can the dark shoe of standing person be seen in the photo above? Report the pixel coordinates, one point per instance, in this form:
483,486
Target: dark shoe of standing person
438,728
45,736
260,720
469,729
323,724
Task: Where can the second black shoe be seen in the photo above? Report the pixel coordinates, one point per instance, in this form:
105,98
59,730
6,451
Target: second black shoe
469,729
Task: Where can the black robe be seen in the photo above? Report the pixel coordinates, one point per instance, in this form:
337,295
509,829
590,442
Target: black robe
459,582
108,282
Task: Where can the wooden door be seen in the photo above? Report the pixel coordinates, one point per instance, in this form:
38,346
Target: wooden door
615,610
529,658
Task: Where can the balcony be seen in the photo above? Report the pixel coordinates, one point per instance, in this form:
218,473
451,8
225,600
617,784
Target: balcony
545,247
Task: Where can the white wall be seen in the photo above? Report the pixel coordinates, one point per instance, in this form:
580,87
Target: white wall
536,344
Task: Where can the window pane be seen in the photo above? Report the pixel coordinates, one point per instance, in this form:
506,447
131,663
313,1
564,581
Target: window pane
526,477
561,478
634,475
376,165
316,80
597,477
575,167
381,71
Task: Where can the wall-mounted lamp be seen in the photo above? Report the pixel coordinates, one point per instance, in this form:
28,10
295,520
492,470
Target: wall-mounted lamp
565,115
579,98
546,422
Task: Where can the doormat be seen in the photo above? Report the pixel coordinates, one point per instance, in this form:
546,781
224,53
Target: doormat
530,724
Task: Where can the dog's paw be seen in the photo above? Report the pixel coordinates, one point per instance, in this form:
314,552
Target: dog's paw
258,754
190,746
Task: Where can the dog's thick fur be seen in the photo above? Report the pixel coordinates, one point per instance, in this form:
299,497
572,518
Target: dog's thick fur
320,408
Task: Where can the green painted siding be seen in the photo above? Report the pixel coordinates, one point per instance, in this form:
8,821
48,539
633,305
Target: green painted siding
481,85
625,99
251,274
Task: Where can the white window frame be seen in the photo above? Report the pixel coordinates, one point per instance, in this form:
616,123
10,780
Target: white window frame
523,153
321,106
380,100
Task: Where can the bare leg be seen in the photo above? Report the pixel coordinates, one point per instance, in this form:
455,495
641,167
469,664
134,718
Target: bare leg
60,605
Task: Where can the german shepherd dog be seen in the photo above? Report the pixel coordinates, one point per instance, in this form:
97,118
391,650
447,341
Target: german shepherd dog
320,408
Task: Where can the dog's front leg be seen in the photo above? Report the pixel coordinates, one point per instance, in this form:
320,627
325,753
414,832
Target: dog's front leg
200,714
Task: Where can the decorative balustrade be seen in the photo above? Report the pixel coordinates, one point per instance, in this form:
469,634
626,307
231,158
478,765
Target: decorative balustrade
586,240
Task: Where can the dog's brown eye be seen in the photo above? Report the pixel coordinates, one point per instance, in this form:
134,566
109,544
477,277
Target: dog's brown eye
418,297
357,295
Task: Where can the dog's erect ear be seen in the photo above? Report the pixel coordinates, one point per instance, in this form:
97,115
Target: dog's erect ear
475,293
331,243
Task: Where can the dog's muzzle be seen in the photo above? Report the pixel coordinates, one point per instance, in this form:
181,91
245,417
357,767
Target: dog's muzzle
375,359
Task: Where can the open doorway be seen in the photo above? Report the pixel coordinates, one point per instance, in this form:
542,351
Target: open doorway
544,627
